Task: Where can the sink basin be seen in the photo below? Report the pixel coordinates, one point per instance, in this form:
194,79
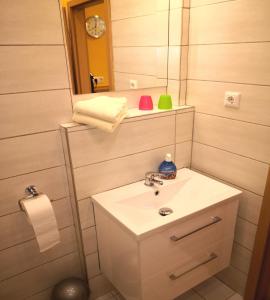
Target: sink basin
136,206
155,197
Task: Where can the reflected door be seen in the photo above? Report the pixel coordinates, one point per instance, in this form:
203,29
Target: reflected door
90,53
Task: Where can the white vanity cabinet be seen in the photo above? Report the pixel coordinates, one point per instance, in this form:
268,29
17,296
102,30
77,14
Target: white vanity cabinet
165,261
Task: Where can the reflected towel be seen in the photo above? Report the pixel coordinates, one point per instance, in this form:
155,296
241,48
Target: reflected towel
103,125
104,108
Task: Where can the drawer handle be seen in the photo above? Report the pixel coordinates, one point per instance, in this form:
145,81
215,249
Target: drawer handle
214,221
211,257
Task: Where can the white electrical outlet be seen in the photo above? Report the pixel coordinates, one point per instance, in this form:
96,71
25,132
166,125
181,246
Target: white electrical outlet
133,84
232,99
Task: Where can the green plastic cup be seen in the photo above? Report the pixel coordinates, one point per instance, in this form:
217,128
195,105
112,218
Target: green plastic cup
165,102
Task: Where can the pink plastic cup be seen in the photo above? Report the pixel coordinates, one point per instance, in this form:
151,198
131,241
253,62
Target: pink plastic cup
146,103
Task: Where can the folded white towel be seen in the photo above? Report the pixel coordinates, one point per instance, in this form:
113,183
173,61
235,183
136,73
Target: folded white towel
104,108
103,125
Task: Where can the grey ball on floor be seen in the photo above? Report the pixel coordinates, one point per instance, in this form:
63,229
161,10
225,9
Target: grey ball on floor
71,289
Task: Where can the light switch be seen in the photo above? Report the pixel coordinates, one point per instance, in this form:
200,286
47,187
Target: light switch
133,84
232,99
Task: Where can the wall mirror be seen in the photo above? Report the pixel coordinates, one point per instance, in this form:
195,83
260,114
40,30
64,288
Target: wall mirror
116,45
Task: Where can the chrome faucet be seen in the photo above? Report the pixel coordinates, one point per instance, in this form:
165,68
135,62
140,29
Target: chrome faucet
150,178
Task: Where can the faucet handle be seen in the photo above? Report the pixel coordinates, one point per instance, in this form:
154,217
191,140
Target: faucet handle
150,178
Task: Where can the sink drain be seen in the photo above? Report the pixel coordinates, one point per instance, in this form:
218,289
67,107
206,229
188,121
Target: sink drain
165,211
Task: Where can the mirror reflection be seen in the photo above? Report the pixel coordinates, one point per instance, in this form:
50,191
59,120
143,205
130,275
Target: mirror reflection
117,44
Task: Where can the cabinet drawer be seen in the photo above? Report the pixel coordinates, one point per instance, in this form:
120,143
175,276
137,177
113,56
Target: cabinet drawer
180,241
200,265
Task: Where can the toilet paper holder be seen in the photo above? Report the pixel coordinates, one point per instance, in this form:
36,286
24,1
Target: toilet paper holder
31,192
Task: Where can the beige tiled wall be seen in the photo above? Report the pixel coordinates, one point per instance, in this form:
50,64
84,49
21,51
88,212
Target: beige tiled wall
229,51
34,99
149,44
140,42
102,161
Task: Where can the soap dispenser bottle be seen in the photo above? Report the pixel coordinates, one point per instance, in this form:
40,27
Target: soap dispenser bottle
167,168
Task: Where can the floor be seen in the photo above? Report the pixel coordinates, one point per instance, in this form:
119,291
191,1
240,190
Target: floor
211,289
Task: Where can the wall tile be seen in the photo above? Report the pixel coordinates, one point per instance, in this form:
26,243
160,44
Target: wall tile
212,102
23,154
32,68
173,89
92,265
174,62
122,9
99,286
151,30
195,3
162,4
52,182
16,229
242,138
241,258
122,81
250,206
228,19
89,240
34,112
141,60
161,63
96,178
91,146
21,25
183,155
240,63
245,233
184,127
175,31
44,295
86,213
26,256
40,278
176,4
241,171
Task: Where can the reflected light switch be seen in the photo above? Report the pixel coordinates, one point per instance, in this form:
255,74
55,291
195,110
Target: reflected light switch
133,84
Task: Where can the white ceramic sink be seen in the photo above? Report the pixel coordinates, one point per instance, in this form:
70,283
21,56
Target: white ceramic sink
136,206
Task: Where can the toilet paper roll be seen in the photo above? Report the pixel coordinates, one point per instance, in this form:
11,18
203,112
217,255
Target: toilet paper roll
41,216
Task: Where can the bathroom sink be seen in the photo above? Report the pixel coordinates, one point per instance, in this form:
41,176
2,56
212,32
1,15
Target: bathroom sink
137,206
151,256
